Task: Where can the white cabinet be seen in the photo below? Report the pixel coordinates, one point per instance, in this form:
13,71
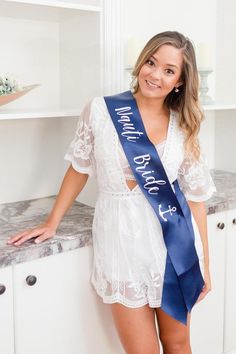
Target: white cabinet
214,318
230,285
6,312
61,312
207,332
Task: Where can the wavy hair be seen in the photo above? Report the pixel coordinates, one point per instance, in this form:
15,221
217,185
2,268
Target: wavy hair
186,101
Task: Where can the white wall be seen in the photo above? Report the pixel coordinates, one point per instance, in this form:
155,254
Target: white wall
225,145
32,158
31,155
226,52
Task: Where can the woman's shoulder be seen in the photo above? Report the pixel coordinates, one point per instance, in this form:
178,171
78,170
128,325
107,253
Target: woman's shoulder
96,112
96,105
96,102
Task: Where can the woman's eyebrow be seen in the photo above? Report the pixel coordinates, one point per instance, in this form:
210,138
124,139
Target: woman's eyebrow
166,64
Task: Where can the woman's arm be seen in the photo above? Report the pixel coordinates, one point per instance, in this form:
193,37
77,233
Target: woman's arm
72,185
198,210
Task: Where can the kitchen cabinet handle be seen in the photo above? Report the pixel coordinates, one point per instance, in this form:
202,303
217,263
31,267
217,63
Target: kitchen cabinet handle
31,280
2,289
221,225
234,221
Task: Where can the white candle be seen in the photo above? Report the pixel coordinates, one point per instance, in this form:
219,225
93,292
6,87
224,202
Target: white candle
204,56
133,48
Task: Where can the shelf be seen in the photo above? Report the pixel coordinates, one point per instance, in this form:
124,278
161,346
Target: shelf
70,4
60,113
219,107
29,114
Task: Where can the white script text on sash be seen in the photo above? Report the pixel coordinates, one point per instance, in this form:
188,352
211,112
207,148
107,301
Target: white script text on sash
150,181
129,131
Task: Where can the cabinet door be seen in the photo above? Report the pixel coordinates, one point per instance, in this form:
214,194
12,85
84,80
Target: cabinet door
230,286
6,312
208,315
61,312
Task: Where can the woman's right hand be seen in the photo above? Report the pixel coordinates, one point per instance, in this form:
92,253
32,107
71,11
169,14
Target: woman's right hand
40,233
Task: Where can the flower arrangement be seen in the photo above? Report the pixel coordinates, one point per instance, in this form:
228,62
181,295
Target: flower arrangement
10,90
8,85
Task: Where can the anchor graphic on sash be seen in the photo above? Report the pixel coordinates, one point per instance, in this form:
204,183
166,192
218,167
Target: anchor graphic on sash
170,210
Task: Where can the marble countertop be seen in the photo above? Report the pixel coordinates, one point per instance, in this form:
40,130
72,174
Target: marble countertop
75,228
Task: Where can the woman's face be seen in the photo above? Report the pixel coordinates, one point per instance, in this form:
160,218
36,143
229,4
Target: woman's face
161,73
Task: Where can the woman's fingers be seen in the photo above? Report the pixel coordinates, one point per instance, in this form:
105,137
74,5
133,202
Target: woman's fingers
24,236
44,236
205,291
18,236
28,236
21,237
207,286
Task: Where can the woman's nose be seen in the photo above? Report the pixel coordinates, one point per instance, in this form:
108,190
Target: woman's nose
156,74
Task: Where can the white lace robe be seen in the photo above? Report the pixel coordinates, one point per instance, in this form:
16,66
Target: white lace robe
129,249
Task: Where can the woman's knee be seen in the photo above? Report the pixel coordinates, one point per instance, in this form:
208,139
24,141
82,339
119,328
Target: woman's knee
176,344
174,336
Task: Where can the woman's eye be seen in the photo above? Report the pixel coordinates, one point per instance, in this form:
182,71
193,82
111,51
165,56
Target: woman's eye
169,71
150,62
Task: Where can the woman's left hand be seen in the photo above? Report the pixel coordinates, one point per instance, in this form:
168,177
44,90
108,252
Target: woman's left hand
207,287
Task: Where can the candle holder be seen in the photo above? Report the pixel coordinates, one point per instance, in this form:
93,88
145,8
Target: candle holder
129,69
204,97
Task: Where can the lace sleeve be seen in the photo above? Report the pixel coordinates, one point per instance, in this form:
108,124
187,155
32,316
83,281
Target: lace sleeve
81,150
195,179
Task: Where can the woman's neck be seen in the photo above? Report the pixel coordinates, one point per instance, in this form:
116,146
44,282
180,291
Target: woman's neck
154,105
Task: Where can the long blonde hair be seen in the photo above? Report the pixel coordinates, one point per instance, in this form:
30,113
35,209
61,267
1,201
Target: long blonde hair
186,101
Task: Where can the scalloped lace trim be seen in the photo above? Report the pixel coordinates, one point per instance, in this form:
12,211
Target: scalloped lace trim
129,293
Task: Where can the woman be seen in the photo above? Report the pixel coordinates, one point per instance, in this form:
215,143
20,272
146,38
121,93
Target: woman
132,255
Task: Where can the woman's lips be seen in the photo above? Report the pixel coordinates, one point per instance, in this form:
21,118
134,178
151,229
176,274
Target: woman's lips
151,84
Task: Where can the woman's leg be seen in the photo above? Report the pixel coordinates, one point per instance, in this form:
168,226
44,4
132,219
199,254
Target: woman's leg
174,336
136,329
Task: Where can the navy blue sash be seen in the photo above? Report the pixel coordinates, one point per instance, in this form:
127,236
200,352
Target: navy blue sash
183,281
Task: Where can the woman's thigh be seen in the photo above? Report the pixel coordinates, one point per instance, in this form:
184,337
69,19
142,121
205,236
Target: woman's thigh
136,329
174,335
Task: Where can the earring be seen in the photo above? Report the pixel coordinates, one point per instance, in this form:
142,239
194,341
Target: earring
176,89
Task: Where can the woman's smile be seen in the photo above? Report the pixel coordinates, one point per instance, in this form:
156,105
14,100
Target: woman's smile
152,85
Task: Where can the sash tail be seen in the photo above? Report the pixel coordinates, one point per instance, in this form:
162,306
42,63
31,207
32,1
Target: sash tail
180,293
